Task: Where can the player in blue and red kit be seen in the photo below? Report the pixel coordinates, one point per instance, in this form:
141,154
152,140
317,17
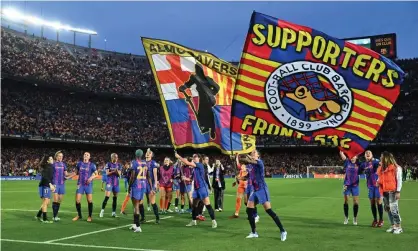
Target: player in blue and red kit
176,185
60,175
86,173
186,188
260,193
248,190
370,167
352,171
113,172
152,187
201,191
138,185
45,187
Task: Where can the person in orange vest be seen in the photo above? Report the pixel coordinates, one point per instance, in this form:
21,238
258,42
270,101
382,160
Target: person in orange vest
390,184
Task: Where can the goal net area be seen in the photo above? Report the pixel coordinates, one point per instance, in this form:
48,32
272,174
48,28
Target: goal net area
326,172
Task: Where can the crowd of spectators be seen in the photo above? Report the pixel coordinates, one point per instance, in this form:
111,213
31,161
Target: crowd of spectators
31,111
63,64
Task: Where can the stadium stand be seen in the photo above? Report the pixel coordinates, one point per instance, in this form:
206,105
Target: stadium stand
56,91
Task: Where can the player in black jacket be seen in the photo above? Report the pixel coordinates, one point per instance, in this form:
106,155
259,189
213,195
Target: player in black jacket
45,187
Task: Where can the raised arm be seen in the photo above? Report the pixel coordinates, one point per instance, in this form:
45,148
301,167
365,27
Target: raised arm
342,155
247,160
185,161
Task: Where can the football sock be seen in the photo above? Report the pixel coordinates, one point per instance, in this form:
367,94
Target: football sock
250,214
380,209
54,209
58,208
78,207
182,206
44,215
142,211
115,202
136,220
276,219
168,205
194,213
346,210
374,211
255,212
90,205
155,209
176,202
210,211
200,207
105,202
238,205
355,210
39,213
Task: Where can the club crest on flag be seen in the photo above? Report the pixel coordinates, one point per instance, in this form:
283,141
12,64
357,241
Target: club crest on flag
297,82
296,91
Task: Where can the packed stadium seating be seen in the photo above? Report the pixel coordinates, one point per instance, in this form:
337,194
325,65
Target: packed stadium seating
36,102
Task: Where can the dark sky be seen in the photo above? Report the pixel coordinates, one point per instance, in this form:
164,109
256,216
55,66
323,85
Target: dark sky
220,27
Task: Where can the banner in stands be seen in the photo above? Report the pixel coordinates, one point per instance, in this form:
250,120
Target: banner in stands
292,176
333,176
196,91
294,81
20,178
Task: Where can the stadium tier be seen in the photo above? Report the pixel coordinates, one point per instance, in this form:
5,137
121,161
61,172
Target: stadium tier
46,84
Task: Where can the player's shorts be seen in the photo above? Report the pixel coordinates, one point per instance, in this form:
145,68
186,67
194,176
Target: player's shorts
113,189
242,186
260,196
166,188
352,190
176,186
148,188
374,193
84,189
186,188
104,178
138,193
44,192
60,189
200,193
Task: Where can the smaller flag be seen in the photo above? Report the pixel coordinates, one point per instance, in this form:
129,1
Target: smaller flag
196,91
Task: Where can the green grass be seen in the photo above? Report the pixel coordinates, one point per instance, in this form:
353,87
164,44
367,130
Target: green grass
310,209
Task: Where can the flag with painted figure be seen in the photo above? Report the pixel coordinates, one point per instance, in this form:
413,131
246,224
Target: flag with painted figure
294,81
196,90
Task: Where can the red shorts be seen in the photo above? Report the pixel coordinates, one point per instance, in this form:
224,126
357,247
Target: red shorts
166,188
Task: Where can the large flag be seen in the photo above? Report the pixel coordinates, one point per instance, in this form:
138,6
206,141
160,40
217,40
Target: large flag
294,81
196,91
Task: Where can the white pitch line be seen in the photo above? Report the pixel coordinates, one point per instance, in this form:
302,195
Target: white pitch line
30,210
21,191
98,231
314,197
80,245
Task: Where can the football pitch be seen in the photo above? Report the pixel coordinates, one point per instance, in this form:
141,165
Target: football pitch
310,209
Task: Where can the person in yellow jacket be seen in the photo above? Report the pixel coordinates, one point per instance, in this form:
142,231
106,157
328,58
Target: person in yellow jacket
390,184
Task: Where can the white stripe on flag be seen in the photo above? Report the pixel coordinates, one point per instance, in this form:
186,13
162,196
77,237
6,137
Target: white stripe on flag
169,91
187,64
160,62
